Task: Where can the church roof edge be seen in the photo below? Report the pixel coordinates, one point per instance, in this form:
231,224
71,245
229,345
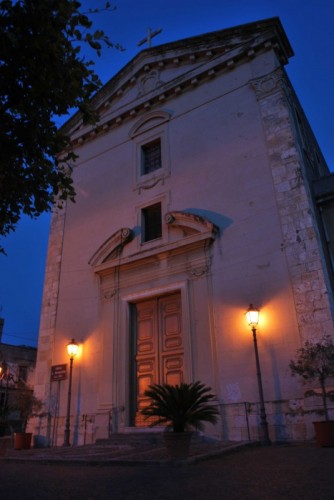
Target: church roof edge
270,24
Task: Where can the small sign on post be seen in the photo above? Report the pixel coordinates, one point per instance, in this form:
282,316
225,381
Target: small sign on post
58,372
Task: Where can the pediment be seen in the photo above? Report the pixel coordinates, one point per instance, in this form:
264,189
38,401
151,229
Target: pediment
112,247
191,223
158,72
186,231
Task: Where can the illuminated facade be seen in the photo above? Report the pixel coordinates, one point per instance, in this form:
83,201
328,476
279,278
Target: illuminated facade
194,199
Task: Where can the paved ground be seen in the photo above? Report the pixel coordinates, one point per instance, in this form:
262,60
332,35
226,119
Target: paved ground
298,472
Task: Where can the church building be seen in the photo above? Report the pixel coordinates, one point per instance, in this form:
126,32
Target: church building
200,191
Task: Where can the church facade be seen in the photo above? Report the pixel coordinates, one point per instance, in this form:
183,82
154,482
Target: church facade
195,198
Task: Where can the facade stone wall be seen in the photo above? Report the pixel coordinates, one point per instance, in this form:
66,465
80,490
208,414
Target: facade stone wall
301,243
238,225
50,303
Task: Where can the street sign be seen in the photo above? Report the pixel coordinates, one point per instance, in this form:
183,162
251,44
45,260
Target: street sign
58,372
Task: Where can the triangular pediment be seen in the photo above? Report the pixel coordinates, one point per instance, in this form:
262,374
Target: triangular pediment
158,72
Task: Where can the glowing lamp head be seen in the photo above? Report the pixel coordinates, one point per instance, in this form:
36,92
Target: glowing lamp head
72,349
3,369
252,316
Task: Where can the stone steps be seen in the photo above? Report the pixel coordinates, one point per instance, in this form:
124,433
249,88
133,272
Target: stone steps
145,438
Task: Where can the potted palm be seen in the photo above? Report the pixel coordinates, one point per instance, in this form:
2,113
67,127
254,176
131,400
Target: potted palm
27,405
315,363
181,408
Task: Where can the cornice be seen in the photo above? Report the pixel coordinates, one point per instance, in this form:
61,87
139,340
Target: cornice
210,63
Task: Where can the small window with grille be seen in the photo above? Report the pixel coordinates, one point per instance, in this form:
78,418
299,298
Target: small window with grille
151,157
151,222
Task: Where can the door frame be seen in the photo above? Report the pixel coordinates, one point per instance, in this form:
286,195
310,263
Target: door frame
124,369
160,351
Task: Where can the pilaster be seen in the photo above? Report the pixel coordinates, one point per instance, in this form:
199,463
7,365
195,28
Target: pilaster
50,303
300,239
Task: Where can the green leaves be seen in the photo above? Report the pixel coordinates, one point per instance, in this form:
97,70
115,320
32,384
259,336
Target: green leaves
315,362
43,74
181,406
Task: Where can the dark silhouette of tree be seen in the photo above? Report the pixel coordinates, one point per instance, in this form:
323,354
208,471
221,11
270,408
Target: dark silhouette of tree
44,74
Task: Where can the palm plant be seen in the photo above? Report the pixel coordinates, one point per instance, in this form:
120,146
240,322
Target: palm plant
182,406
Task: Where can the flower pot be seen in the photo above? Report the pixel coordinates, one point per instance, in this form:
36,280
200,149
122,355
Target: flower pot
324,432
22,440
177,444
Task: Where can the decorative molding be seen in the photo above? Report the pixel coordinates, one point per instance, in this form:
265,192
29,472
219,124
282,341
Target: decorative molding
196,234
271,83
198,272
152,184
148,82
112,247
196,223
224,45
149,121
108,294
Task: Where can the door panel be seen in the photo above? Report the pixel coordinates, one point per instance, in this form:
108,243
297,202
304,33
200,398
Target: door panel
146,351
159,347
171,345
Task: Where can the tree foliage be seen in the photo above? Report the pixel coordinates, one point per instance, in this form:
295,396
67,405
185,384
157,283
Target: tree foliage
25,403
181,406
44,74
315,362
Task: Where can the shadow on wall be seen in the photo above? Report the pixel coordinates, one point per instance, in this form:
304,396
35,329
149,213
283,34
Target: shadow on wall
278,420
218,219
77,414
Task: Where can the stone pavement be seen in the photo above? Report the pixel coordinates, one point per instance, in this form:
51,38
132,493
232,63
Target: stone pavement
118,453
293,471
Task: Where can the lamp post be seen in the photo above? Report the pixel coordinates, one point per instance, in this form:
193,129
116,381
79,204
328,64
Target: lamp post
252,316
72,351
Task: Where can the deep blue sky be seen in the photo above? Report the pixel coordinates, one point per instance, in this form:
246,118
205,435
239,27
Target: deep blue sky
309,25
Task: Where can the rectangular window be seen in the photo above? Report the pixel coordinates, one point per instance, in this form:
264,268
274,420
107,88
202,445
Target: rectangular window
151,222
151,157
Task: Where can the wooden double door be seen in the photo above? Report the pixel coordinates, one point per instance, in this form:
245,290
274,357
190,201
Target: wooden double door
157,348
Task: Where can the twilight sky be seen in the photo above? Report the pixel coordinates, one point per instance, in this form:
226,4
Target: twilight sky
309,25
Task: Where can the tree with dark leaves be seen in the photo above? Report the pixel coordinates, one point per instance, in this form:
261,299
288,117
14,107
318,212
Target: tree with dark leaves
315,363
44,74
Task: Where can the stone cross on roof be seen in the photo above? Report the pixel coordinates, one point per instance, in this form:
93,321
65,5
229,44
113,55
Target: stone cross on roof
150,35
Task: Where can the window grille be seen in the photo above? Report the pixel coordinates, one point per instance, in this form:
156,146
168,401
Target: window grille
151,157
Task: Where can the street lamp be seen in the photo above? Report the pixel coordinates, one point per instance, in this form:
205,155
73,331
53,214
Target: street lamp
252,316
72,351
